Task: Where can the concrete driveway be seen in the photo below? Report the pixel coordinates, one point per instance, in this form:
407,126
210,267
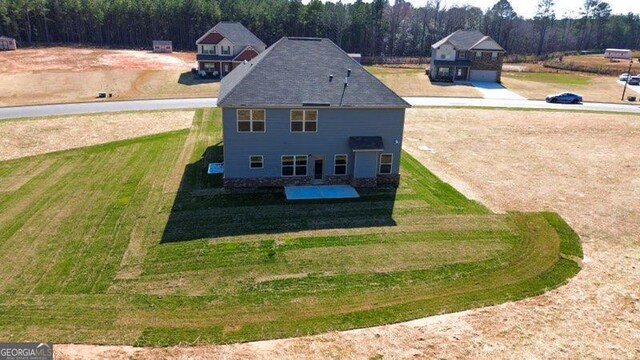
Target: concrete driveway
491,90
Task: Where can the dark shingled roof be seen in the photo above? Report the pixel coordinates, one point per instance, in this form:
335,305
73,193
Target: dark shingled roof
296,71
366,143
237,34
468,39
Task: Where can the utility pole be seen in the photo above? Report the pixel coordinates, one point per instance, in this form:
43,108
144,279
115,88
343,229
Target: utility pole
628,77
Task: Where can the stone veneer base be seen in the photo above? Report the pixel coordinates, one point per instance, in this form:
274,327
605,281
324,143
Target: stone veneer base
381,180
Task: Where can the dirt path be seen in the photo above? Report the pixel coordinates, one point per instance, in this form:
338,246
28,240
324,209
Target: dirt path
584,166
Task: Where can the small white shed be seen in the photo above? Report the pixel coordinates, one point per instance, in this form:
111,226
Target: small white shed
7,43
356,57
162,46
617,54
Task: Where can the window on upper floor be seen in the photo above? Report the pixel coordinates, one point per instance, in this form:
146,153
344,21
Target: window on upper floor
225,50
478,55
209,49
462,55
304,120
251,120
494,55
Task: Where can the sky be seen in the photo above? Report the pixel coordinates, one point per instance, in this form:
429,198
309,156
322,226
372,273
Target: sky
527,8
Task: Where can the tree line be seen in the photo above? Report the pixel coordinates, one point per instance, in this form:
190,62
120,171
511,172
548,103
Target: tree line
376,28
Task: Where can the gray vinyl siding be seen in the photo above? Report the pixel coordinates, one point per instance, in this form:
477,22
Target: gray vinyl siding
366,164
335,126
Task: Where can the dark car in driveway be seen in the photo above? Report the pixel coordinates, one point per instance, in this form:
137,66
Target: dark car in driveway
565,97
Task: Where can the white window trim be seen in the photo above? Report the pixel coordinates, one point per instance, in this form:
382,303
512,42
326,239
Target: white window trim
251,121
380,164
494,55
346,163
261,162
478,54
306,168
304,120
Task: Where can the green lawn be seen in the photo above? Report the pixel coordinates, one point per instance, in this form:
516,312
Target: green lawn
553,78
130,243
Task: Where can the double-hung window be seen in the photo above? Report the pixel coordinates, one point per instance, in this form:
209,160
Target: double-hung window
494,55
209,49
251,120
385,163
294,165
340,165
478,55
304,120
225,50
256,161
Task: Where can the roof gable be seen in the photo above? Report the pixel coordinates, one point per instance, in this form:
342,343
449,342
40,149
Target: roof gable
234,32
296,71
246,54
487,43
469,40
210,38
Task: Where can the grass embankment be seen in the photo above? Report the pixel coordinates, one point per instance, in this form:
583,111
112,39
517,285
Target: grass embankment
100,248
537,85
414,82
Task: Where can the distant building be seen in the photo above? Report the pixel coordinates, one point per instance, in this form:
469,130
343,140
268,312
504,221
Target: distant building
617,54
225,46
356,57
466,56
7,43
162,46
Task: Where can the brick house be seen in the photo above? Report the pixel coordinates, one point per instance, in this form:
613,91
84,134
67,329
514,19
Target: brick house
225,46
466,56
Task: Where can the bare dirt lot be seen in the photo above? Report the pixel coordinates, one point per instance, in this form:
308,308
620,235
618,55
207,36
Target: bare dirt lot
61,74
22,138
584,166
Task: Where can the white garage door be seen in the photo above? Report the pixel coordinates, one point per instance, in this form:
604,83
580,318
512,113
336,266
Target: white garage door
484,75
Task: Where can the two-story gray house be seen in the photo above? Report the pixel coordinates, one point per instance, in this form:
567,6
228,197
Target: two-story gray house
466,56
305,112
225,46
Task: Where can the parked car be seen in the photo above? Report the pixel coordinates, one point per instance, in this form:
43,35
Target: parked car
624,77
566,97
634,80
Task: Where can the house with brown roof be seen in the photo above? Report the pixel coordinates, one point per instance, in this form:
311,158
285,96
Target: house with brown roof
466,55
7,43
225,46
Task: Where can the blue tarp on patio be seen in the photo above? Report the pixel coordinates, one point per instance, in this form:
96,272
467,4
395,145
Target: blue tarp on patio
215,168
308,192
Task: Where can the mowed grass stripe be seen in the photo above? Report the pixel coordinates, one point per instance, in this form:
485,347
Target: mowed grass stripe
200,255
84,254
37,253
70,206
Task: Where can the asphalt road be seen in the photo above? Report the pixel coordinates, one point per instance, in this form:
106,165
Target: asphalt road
167,104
